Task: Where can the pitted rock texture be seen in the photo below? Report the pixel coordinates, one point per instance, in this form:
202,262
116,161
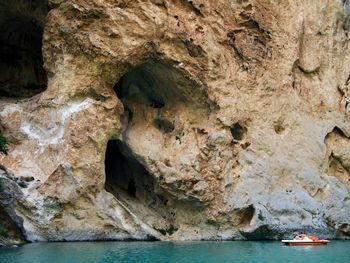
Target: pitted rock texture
184,120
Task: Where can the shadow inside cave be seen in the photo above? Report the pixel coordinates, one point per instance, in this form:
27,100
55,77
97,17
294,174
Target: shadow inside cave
22,73
122,170
159,101
131,184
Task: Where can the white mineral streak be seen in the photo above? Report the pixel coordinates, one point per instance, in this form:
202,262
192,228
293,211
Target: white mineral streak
55,132
10,108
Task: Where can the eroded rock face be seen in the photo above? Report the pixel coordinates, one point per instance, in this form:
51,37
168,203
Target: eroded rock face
184,120
11,226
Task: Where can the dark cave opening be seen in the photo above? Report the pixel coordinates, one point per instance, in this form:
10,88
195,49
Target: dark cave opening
160,99
147,92
22,73
122,169
148,88
154,94
146,84
129,181
238,131
144,91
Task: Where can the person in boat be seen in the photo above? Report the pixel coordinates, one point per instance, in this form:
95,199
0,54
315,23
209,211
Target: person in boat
298,237
305,237
313,238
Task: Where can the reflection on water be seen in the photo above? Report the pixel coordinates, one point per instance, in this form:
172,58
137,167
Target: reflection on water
235,251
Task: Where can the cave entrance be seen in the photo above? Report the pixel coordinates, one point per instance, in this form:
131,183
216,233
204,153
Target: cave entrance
238,131
129,181
159,100
123,171
157,95
22,74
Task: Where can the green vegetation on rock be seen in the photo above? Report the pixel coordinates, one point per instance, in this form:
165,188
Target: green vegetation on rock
3,144
3,232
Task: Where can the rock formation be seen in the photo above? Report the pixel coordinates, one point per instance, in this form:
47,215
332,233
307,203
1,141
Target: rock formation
11,225
176,119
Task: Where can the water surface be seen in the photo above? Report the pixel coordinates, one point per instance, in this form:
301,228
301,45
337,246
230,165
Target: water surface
144,252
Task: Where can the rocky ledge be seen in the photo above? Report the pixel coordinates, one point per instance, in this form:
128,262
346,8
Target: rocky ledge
174,119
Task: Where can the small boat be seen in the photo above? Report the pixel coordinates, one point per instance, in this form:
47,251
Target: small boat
305,242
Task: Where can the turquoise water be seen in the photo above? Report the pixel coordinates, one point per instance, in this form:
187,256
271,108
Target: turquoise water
235,251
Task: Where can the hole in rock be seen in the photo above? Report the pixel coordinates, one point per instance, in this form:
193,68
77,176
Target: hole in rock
121,169
129,181
338,169
337,143
247,215
156,93
279,126
238,131
164,125
279,129
147,85
21,62
131,188
159,101
263,232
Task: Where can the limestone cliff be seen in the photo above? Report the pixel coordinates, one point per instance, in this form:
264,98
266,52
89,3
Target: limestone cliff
176,119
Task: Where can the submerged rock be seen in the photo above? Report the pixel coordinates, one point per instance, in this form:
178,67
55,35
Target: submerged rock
180,120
